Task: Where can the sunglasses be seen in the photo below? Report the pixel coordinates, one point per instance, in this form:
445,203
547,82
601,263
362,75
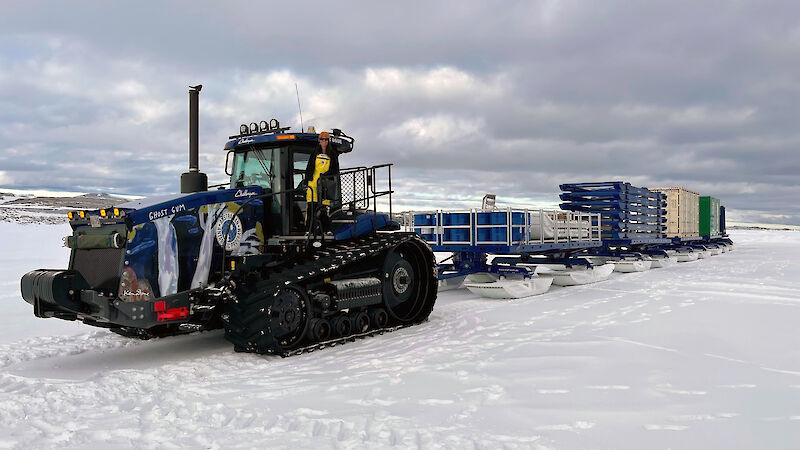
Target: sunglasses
323,139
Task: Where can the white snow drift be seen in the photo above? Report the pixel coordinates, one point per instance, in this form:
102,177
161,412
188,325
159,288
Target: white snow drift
702,354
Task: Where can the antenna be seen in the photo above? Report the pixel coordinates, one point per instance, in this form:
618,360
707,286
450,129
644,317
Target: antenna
297,91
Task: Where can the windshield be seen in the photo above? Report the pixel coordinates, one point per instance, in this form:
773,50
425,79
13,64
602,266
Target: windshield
256,167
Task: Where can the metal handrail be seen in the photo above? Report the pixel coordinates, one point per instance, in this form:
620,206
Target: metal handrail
365,187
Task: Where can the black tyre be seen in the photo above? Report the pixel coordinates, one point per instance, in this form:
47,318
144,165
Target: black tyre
379,318
409,285
342,326
265,322
319,330
288,321
361,322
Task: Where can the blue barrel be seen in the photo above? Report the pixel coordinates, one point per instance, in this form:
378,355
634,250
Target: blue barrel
498,218
424,219
484,218
460,218
517,234
484,234
456,235
518,218
455,219
498,234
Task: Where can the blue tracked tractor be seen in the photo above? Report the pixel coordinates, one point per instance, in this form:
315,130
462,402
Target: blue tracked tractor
283,262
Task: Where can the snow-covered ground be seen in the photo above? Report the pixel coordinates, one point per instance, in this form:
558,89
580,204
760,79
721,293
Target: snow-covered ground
700,355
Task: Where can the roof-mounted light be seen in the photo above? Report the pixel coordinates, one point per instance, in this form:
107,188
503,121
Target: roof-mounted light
253,128
274,124
263,126
243,129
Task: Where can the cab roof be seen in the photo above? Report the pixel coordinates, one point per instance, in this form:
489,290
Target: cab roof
245,142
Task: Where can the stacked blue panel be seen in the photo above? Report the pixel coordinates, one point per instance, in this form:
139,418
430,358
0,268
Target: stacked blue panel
627,211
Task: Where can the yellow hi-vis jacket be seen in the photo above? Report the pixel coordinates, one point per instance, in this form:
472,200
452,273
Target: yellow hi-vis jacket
321,166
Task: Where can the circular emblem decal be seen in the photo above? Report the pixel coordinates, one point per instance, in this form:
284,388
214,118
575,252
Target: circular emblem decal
229,231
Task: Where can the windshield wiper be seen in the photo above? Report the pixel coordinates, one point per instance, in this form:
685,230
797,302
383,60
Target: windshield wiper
268,170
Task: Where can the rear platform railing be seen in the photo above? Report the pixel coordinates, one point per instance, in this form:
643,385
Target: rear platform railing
361,187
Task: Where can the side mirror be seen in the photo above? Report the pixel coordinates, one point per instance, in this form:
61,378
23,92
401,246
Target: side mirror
228,171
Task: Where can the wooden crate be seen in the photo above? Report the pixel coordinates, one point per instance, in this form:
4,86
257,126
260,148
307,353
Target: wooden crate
682,211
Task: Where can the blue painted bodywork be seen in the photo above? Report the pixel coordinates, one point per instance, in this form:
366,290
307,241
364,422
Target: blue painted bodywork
247,141
174,242
364,223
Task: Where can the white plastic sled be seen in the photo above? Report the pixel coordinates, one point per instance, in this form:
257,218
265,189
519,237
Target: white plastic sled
687,256
504,288
702,253
632,265
576,275
449,284
660,261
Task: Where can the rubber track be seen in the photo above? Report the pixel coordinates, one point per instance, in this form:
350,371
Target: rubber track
245,325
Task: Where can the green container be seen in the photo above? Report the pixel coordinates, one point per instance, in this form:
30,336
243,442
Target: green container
709,216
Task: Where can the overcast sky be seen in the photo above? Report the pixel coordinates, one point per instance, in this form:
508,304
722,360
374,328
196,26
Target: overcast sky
465,97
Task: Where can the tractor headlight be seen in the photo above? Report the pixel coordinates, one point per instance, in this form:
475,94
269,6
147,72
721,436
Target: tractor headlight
263,126
243,129
253,128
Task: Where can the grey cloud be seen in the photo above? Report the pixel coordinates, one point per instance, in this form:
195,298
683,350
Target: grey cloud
464,97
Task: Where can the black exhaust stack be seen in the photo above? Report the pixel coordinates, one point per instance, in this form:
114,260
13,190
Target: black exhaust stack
194,180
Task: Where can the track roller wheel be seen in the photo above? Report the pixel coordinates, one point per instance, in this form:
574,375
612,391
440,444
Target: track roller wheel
319,330
361,322
379,318
342,326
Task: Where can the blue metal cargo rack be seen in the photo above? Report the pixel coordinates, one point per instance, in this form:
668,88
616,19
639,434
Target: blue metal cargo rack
631,215
634,218
514,234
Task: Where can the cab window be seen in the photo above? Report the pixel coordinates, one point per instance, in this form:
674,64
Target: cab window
257,167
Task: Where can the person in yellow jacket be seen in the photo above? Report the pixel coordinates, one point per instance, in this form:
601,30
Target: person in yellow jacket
322,165
324,162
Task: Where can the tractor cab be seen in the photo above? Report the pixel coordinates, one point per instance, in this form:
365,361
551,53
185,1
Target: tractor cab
267,156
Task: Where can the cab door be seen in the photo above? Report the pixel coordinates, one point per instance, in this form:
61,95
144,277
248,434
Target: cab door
298,208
